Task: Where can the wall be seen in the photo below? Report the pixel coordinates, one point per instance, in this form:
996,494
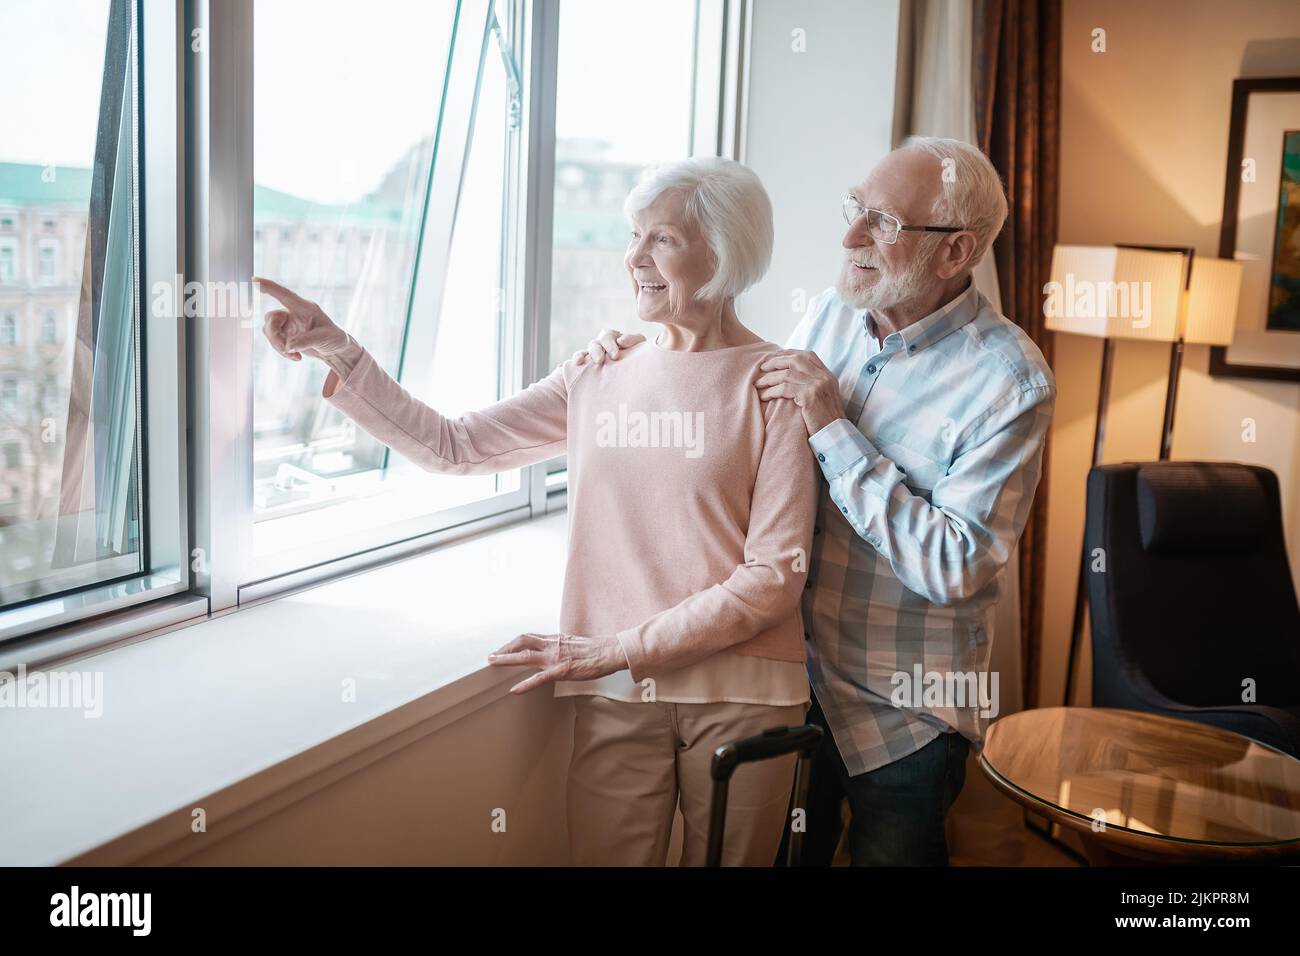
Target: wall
1144,133
424,793
818,120
445,799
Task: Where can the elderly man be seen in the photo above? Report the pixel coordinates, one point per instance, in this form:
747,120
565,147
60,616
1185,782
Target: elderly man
926,411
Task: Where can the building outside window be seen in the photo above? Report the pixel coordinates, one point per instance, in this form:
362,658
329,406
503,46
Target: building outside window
9,395
8,260
48,262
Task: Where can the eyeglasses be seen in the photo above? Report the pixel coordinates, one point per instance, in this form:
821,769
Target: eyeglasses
882,226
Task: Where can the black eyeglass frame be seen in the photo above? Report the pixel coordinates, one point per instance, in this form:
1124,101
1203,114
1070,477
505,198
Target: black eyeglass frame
902,227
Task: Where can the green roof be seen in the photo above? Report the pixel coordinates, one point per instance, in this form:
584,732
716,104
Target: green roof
273,205
23,183
590,229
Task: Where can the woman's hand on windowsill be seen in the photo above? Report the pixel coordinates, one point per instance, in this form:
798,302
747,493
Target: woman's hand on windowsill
560,657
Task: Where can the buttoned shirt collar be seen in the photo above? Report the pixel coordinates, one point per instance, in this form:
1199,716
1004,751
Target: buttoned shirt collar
920,335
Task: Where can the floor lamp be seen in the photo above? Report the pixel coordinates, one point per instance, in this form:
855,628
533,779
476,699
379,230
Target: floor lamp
1146,293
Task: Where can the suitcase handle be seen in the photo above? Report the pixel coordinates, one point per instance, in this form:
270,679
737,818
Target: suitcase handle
774,742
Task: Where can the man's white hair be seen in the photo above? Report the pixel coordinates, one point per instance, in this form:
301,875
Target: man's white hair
972,196
729,205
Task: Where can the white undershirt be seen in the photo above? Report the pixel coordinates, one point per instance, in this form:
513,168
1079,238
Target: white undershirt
722,678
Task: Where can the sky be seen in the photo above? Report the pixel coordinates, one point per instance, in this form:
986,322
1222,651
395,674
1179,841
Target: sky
50,73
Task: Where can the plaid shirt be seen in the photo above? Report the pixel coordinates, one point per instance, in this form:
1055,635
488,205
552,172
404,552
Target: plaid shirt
931,475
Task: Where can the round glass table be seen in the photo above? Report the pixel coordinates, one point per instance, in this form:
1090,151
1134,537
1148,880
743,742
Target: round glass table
1140,787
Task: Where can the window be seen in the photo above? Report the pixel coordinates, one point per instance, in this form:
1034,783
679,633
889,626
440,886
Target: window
49,260
9,396
8,260
404,189
402,248
75,517
52,397
604,137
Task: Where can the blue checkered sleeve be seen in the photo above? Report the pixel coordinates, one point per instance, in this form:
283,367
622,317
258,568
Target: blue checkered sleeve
948,547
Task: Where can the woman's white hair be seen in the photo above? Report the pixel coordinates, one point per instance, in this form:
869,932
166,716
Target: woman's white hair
729,205
970,191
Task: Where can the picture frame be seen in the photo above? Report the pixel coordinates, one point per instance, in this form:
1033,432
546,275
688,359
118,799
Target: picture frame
1248,230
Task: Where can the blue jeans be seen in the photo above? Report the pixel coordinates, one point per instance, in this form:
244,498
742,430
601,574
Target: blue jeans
898,810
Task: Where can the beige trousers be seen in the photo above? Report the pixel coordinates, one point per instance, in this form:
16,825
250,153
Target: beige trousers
633,763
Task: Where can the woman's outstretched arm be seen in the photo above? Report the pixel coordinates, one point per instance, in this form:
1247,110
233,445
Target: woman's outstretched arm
526,428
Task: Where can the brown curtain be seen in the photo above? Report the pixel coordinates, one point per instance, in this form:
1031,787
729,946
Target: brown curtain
1017,86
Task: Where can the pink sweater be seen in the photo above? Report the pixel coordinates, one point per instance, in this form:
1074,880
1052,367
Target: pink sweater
691,502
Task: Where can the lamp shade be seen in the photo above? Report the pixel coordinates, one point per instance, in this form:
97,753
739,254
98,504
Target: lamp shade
1113,292
1212,301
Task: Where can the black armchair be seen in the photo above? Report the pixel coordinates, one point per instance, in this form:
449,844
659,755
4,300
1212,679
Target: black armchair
1196,596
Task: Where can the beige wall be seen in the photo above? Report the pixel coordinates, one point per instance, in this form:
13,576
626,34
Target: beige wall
481,783
1144,132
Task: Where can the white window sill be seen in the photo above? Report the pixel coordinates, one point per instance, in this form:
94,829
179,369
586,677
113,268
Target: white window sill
199,709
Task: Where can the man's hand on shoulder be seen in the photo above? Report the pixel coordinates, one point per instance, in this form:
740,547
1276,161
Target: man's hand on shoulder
802,377
607,345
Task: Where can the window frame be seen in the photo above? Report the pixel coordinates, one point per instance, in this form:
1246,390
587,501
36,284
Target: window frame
52,626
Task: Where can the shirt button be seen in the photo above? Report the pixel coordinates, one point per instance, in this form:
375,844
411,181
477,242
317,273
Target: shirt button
845,510
871,369
821,457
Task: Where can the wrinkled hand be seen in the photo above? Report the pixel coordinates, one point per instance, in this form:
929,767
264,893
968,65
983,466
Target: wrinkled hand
607,345
802,377
561,657
302,328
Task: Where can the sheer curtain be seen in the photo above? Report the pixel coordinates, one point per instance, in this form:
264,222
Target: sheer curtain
935,98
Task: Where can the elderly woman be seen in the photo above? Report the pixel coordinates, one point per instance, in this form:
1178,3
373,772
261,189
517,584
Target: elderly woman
690,517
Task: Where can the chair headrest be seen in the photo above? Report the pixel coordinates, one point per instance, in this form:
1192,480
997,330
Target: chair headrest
1198,506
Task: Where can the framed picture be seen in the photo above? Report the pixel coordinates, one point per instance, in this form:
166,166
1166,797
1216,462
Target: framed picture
1261,230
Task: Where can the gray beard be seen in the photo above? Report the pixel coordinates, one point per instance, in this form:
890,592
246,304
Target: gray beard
891,289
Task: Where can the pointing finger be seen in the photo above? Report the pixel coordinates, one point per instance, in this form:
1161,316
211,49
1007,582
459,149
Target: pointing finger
285,296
